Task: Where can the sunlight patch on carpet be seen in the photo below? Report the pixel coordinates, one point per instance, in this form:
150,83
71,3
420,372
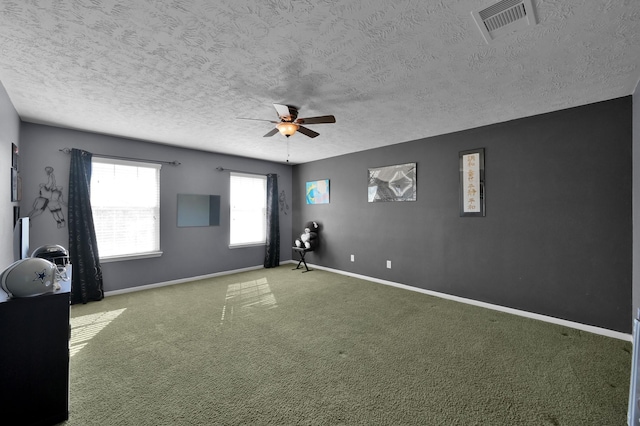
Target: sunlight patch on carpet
86,327
244,298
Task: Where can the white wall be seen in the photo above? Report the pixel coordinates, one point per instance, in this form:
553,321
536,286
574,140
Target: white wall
9,133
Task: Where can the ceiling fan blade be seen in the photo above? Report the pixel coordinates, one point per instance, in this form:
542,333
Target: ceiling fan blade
271,133
256,119
307,132
317,120
282,110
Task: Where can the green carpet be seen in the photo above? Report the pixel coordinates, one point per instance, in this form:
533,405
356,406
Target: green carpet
279,347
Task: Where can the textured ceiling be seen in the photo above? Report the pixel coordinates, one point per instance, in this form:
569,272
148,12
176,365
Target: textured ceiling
180,72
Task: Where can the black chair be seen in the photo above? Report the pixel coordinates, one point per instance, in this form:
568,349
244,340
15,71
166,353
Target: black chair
302,251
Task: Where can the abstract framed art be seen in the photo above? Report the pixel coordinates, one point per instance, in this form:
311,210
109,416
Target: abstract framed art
392,183
472,185
317,192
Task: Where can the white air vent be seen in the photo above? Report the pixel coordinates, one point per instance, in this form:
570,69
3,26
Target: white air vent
504,17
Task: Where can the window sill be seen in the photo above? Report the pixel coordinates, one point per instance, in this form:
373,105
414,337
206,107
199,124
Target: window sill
235,246
109,259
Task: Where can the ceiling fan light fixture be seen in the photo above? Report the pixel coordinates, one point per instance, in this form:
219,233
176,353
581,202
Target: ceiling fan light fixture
287,128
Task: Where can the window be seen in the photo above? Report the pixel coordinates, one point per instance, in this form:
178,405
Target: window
125,200
248,200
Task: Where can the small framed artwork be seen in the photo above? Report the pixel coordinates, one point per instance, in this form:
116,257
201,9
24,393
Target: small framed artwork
317,192
472,188
392,183
15,196
14,156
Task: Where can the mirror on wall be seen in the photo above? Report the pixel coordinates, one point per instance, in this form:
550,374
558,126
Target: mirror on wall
198,210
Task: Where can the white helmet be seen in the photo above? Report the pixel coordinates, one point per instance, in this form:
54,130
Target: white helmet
29,277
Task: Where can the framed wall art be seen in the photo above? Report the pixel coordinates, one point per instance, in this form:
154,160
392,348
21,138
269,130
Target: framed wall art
14,156
198,210
392,183
16,191
317,192
15,194
472,188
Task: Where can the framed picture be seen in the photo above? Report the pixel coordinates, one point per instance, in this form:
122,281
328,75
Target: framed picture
317,192
392,183
14,156
14,185
472,189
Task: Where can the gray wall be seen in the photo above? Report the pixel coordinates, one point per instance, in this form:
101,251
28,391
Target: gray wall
9,133
556,239
188,252
636,201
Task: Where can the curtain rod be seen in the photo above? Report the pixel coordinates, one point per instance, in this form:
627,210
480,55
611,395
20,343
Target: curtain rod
115,157
222,169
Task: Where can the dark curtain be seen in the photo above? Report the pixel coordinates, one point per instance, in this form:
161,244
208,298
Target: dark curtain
86,278
272,255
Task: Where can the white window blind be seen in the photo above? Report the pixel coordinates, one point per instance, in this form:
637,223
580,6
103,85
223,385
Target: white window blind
248,202
125,200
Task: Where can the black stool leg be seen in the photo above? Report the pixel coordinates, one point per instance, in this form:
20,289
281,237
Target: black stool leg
302,260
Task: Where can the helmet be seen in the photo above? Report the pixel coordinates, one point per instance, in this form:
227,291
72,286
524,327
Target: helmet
53,253
29,277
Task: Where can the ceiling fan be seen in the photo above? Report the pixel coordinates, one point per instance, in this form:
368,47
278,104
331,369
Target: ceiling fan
290,123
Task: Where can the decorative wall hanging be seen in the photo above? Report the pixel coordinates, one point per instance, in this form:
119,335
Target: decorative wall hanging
472,191
14,157
393,183
15,195
16,190
317,192
198,210
49,198
282,200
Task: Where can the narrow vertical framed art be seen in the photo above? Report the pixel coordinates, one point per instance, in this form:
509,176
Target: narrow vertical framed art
15,195
16,191
14,156
472,184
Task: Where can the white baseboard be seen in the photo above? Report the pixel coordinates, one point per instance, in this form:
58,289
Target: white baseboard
545,318
571,324
180,281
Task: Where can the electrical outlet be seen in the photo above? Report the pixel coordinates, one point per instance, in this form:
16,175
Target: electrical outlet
388,264
353,258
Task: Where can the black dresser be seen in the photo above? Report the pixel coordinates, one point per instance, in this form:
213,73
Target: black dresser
34,359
